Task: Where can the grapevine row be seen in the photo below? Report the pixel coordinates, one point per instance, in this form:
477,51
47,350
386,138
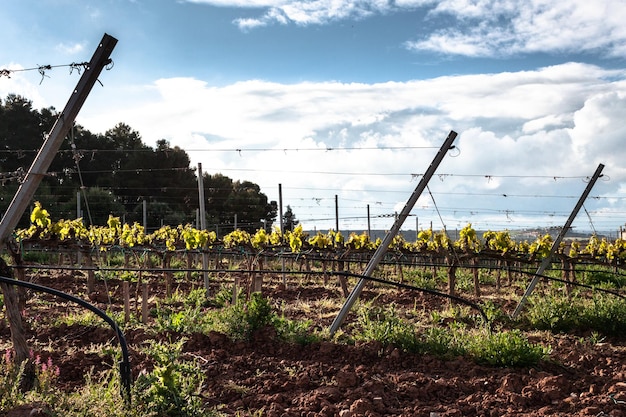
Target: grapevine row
188,238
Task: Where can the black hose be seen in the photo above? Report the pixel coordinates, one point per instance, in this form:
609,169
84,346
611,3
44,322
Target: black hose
125,373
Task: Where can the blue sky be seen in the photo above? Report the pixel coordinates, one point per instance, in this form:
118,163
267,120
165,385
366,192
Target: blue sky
537,94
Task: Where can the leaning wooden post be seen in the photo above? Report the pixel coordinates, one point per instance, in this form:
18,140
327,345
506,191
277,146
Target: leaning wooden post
555,245
38,170
380,251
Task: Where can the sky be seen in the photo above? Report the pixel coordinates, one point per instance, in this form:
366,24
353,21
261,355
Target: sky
344,104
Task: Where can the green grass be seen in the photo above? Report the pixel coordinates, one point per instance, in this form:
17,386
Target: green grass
603,313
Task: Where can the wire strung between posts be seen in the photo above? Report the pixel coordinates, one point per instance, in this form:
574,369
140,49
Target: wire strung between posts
77,156
590,221
240,150
445,231
41,69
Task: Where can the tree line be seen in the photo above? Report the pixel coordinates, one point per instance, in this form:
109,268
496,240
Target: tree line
115,172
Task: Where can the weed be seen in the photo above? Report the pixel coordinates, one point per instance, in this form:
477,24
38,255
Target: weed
504,349
190,319
172,388
10,377
422,279
606,314
556,314
383,325
604,278
242,319
295,331
603,313
439,341
224,297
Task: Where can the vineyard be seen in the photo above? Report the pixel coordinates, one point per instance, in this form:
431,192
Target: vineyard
239,325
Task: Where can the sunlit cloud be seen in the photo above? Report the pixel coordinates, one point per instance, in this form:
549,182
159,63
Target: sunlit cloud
502,28
479,28
539,125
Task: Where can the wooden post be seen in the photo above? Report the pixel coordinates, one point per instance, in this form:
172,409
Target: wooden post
167,259
144,303
476,272
452,278
236,281
126,294
91,276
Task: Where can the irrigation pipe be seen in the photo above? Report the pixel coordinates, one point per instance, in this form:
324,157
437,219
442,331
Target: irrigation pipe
125,374
347,274
256,271
269,271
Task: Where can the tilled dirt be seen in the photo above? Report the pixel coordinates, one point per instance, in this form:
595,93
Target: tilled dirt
268,377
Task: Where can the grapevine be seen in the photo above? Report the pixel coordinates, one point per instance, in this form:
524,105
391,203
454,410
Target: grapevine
186,237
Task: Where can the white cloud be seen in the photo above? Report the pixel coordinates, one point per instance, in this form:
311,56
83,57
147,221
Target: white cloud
599,129
71,49
522,133
504,27
479,28
315,12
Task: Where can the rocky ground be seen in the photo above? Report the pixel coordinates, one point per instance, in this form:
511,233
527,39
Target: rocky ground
271,378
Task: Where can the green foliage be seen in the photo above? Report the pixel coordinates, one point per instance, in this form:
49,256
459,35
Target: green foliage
556,314
422,279
40,257
172,388
197,298
224,296
295,331
241,320
603,313
382,324
504,349
497,349
604,278
189,319
84,318
606,314
495,314
439,341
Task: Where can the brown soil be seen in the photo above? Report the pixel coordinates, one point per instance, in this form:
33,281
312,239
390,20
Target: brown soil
272,378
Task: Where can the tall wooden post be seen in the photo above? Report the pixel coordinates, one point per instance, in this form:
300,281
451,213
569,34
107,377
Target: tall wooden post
205,255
